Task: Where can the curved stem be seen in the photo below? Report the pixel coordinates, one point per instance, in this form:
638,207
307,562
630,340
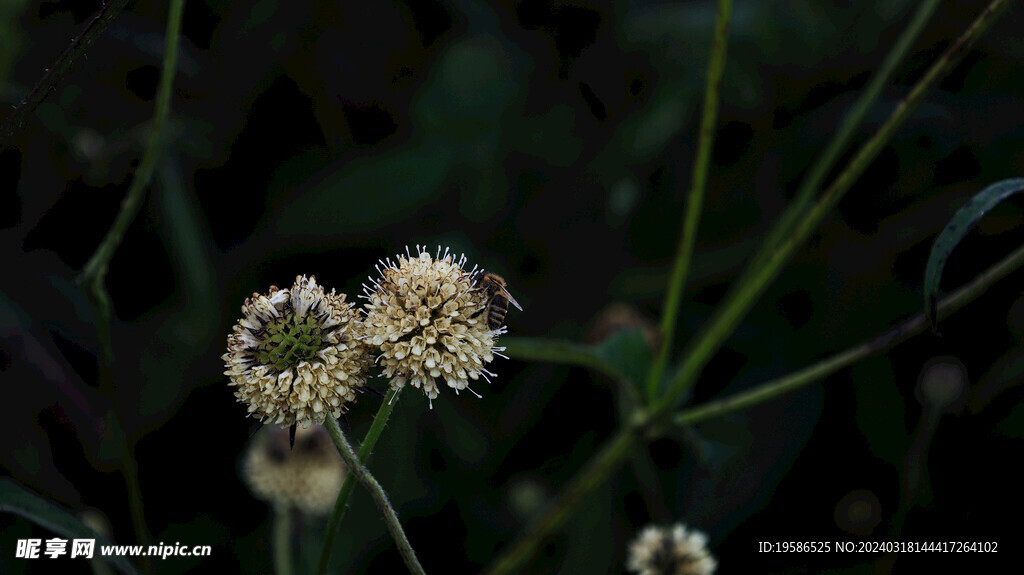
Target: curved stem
356,468
695,200
282,540
728,316
96,268
379,421
594,474
93,274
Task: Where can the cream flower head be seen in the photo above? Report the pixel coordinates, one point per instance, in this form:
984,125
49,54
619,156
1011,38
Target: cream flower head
428,318
672,550
296,355
307,476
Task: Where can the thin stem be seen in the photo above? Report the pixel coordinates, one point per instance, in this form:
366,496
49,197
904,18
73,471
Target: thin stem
376,428
746,294
356,468
96,268
816,176
60,68
695,200
601,466
93,274
282,540
877,344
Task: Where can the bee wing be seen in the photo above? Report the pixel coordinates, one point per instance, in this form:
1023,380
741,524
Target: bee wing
511,299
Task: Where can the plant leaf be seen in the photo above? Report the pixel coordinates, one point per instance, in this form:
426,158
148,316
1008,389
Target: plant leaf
561,351
627,351
16,499
955,231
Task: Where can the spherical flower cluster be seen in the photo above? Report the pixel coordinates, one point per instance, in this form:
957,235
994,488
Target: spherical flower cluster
672,550
296,355
428,318
307,476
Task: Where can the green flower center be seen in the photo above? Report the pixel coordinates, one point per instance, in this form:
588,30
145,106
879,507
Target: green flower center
289,341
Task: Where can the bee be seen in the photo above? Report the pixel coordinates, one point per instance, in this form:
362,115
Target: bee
498,299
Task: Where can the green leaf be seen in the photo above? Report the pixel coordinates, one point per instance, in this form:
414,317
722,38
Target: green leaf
16,499
955,231
560,351
628,353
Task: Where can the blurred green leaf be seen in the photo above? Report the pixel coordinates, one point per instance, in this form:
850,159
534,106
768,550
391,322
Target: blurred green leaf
363,196
16,499
954,232
628,352
560,351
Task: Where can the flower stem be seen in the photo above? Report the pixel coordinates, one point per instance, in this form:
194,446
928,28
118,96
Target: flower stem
356,468
93,274
379,421
751,285
594,474
96,268
695,200
282,540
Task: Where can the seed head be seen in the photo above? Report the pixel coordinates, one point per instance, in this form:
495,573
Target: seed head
307,476
672,550
429,321
296,354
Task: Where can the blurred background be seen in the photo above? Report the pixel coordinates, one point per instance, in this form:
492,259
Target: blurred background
551,142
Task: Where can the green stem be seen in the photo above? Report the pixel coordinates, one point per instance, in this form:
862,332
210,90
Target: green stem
282,540
695,200
747,292
60,68
376,428
594,474
877,344
96,268
356,468
92,275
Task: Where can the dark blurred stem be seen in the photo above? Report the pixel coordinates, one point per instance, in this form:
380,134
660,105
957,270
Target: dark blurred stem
92,276
597,471
96,268
60,67
825,162
282,540
379,421
356,468
695,200
646,475
752,284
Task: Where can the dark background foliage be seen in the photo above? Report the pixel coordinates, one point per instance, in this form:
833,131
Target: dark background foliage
551,142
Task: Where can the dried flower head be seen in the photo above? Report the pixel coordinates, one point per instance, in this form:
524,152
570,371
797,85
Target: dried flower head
307,476
672,550
296,354
428,318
